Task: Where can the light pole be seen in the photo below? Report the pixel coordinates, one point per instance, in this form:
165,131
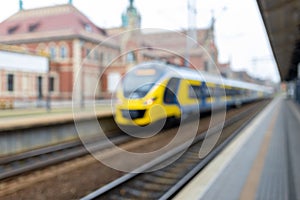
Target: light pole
48,104
191,31
81,73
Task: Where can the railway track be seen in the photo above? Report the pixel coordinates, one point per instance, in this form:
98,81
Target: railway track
25,162
166,182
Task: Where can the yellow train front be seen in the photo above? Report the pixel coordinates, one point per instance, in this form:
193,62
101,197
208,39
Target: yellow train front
143,97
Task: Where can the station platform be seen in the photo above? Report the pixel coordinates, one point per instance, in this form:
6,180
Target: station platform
31,117
262,162
24,130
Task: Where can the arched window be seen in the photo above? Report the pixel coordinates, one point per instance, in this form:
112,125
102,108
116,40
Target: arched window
88,53
96,55
130,57
63,52
88,28
52,51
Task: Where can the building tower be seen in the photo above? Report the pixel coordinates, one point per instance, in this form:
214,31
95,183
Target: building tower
131,18
209,45
20,5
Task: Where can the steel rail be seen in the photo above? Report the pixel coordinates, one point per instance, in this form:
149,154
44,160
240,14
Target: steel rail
173,190
112,185
57,154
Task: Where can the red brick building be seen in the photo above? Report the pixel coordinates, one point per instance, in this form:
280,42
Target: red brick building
21,76
77,61
72,42
149,44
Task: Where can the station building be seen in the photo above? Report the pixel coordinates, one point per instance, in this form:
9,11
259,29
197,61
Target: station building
176,47
70,39
23,76
72,42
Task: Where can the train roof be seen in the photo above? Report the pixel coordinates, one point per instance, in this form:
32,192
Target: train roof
193,74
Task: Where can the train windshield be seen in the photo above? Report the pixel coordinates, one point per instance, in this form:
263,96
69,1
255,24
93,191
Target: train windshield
138,82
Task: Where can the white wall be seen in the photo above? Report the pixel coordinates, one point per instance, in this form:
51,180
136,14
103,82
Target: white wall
113,81
23,62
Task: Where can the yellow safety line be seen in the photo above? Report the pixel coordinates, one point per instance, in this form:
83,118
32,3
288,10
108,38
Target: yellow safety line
250,188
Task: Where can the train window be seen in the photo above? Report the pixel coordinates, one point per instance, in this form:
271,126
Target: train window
232,92
206,92
228,92
238,91
241,92
211,92
171,90
137,83
195,92
218,92
247,92
235,92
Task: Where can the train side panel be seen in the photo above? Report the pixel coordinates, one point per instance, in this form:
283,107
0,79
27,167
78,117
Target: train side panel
175,96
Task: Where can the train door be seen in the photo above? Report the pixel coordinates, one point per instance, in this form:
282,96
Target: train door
218,94
205,94
170,98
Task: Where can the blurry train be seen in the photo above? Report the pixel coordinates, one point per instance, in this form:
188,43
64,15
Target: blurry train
154,90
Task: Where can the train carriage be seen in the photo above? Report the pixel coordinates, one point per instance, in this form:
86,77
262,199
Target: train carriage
153,91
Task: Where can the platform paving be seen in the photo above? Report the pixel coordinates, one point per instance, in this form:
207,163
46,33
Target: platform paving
264,165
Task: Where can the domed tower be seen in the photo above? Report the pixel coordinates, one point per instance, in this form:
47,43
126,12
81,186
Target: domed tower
131,18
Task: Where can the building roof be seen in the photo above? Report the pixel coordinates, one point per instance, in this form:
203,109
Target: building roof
282,22
166,43
172,39
64,20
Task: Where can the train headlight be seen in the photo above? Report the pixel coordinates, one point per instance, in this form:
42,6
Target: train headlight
149,102
119,102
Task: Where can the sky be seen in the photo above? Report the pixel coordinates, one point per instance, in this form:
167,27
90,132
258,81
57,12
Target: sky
240,35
